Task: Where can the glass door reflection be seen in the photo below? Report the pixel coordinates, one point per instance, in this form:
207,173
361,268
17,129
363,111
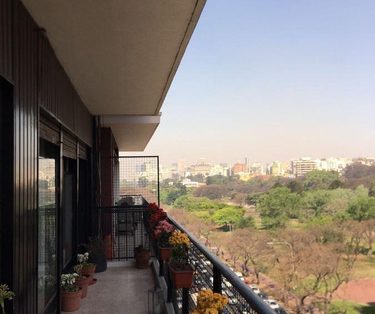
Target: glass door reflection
47,239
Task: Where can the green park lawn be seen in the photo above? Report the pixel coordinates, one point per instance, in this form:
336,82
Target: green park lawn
341,307
365,267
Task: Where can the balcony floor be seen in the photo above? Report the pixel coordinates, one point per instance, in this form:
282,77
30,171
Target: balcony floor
121,289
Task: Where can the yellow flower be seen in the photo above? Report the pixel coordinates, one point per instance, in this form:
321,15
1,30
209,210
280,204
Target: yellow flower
209,302
179,238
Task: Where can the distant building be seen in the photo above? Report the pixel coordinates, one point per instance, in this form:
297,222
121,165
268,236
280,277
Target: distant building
218,170
276,169
190,184
165,172
333,164
239,168
302,166
256,169
181,167
368,161
201,168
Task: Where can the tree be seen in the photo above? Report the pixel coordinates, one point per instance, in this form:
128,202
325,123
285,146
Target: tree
362,208
239,198
358,174
320,179
245,222
254,253
192,203
174,193
228,215
343,258
295,186
315,202
336,184
293,251
369,234
197,178
358,170
310,267
213,191
217,180
231,251
277,206
371,191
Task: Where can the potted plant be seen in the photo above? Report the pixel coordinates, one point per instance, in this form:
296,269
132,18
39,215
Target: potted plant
82,281
5,294
97,254
142,257
156,214
162,233
87,268
209,302
70,293
179,267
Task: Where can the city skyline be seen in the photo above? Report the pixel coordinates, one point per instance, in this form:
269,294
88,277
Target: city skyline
242,160
272,81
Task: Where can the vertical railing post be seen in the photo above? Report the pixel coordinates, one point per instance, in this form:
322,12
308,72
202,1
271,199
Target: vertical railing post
185,301
161,267
218,278
158,181
170,287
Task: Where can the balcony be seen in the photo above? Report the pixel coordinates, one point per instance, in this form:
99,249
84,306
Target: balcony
126,227
119,289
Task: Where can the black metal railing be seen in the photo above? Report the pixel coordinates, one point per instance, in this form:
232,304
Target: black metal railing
126,226
123,229
212,273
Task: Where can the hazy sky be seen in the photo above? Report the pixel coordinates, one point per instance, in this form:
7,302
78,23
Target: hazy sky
273,80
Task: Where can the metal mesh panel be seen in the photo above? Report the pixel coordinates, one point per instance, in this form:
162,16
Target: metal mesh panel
135,176
127,230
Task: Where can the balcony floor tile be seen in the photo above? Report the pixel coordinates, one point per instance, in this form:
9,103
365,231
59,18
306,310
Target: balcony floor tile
120,289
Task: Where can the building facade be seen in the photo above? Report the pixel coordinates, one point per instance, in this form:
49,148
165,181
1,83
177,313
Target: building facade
302,166
73,94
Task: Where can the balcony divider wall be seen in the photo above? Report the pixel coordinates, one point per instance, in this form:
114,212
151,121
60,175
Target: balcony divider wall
30,66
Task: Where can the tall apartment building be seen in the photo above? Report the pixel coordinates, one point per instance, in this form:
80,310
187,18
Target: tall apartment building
302,166
239,167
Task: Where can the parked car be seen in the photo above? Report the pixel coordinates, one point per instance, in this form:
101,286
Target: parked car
272,303
255,289
263,295
281,311
239,275
227,283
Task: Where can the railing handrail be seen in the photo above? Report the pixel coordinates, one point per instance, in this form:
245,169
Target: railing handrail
250,297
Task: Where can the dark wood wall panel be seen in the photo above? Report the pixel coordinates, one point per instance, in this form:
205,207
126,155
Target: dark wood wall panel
28,61
56,91
6,39
83,121
58,96
25,252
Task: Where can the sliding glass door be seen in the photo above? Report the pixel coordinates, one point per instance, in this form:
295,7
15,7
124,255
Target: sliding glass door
47,225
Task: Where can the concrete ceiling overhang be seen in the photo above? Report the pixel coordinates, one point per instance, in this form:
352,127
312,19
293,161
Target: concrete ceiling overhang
131,131
121,55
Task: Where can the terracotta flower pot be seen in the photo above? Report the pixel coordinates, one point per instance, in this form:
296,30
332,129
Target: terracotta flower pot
142,258
182,277
71,301
165,253
83,282
89,271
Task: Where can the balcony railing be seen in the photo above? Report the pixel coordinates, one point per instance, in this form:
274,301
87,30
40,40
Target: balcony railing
127,228
212,273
